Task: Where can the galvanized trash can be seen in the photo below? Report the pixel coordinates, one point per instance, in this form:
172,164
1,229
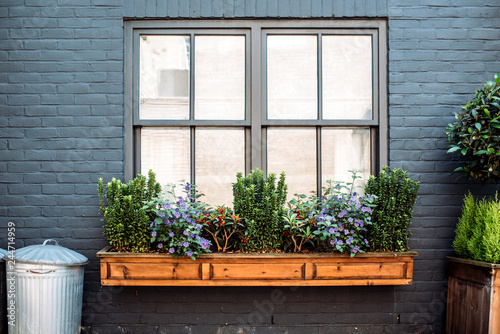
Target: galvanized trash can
3,293
48,290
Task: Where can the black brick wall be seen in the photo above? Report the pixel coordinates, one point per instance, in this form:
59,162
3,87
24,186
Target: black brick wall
61,128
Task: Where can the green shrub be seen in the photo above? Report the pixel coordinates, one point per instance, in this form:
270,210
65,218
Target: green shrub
477,235
126,214
395,194
475,135
259,202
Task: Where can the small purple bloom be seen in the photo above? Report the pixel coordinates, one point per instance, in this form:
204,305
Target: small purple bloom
189,253
160,246
171,234
185,244
171,250
153,234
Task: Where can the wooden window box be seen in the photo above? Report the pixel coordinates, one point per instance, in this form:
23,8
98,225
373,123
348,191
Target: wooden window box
220,269
473,297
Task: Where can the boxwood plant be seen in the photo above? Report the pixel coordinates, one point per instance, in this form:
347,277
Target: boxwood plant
475,134
126,214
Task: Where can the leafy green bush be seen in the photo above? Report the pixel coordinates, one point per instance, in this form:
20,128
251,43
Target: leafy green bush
259,202
126,215
395,194
477,235
476,134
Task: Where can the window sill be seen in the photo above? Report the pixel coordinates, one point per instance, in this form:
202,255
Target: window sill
219,269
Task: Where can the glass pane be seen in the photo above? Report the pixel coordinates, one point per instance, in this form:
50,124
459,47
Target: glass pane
166,151
293,150
344,150
220,154
220,77
292,79
347,77
164,77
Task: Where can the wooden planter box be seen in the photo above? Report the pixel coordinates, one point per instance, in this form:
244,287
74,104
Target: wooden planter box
218,269
473,297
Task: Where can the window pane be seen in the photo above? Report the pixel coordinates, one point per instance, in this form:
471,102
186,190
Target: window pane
293,150
220,77
220,154
292,79
347,77
166,152
164,77
344,150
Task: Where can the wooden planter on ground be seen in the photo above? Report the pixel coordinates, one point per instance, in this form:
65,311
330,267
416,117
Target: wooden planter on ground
473,297
218,269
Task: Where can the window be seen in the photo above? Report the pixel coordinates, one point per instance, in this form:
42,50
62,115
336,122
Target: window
208,99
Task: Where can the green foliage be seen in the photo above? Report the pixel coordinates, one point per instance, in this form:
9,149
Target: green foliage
300,222
259,202
477,235
126,214
395,194
224,228
476,134
464,230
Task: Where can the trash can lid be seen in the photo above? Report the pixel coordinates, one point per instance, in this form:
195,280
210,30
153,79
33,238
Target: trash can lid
50,254
3,252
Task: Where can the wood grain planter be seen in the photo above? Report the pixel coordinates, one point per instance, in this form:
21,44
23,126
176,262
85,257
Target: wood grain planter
219,269
473,297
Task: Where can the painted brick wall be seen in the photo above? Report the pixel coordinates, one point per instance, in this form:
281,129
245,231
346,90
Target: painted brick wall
61,126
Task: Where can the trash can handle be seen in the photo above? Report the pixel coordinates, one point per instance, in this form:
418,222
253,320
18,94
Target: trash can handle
36,271
49,240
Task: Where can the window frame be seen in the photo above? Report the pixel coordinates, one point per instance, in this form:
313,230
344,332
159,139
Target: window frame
256,122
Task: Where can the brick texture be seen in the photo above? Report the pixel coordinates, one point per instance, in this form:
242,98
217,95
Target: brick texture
61,128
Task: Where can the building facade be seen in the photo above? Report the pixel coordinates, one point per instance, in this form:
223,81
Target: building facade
67,109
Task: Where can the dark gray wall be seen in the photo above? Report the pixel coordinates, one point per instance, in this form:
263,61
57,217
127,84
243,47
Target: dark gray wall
61,126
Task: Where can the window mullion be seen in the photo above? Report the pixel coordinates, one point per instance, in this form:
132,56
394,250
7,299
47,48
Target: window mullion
257,155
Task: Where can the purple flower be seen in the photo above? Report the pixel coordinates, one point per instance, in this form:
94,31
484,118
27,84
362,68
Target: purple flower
171,234
340,243
349,240
177,214
171,250
366,209
189,253
350,219
342,213
355,249
186,232
331,231
153,234
160,246
366,241
185,244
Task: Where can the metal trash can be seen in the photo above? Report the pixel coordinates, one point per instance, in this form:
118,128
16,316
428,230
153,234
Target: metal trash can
3,293
48,290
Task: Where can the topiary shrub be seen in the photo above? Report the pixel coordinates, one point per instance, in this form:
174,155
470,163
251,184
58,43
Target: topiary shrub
127,214
259,202
395,194
477,235
476,134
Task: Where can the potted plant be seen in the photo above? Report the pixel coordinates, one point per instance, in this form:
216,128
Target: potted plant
474,276
475,135
317,241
